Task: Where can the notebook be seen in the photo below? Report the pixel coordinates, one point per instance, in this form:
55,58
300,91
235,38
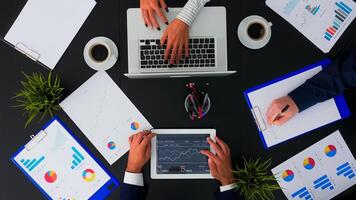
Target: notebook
320,172
321,21
45,28
260,98
105,115
61,167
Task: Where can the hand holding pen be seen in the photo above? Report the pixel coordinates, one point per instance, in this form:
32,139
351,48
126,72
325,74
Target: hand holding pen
281,111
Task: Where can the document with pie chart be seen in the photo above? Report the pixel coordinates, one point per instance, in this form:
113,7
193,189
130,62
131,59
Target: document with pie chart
105,115
61,168
321,171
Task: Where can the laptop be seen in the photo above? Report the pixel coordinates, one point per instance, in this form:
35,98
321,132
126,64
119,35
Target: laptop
207,46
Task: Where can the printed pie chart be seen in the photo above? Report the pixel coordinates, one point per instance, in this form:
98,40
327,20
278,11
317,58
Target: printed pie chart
50,176
330,150
288,175
111,145
309,163
135,126
88,175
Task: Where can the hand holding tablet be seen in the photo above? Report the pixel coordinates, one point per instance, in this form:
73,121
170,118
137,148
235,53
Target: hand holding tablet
181,154
220,164
140,151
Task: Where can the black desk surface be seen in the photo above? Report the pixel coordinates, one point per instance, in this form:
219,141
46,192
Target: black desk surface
161,100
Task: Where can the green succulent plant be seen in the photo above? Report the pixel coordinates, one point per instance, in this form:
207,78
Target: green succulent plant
39,95
253,181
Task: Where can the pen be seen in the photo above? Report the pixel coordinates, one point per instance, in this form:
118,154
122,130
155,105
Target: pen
285,109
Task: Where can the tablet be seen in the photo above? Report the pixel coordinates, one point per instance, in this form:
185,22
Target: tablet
175,154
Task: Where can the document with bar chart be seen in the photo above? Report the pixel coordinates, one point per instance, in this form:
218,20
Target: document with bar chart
61,168
321,171
322,22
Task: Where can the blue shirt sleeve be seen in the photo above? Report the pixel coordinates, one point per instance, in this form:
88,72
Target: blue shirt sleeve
227,195
327,84
132,192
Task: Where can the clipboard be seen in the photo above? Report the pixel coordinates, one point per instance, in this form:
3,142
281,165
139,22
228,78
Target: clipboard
42,175
43,30
258,113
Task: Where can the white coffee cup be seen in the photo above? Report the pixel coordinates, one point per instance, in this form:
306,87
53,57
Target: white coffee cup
106,56
248,35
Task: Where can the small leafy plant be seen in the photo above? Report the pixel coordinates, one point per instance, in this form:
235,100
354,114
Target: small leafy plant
39,95
253,181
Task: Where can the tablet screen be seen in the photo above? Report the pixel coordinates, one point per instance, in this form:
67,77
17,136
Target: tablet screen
180,154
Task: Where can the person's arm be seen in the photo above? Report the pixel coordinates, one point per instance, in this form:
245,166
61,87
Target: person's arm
140,151
221,169
327,84
133,187
176,36
191,11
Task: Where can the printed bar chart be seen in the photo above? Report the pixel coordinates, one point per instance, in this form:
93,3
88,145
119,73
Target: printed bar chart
32,164
323,183
341,13
345,170
78,158
302,194
312,10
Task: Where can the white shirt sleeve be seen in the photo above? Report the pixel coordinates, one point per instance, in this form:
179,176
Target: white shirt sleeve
191,11
134,179
225,188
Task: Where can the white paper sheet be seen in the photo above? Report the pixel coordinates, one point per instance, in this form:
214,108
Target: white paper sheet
313,17
105,115
47,27
310,119
321,171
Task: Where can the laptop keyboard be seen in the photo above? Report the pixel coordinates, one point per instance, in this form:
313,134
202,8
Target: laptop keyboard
201,54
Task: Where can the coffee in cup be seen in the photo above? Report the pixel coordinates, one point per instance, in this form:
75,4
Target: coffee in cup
256,31
99,53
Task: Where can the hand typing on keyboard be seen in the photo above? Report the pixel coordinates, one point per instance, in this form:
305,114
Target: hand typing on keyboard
201,54
176,37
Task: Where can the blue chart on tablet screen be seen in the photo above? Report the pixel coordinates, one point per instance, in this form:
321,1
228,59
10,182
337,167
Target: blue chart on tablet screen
180,154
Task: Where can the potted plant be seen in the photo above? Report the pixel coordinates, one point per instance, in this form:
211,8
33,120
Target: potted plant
39,95
253,182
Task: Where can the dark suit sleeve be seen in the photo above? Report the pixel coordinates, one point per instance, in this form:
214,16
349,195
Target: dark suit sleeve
327,84
132,192
227,195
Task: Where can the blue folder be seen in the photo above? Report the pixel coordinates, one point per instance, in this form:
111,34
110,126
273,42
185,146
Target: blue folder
102,193
339,100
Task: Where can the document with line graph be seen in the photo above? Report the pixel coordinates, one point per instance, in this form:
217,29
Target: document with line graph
105,115
322,22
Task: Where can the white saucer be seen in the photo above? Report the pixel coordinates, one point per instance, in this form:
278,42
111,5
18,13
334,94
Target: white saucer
246,40
109,62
